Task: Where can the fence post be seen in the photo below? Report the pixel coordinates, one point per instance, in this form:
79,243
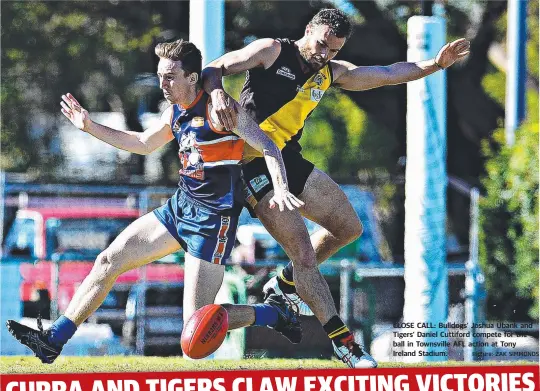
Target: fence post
144,203
367,322
55,285
2,207
345,301
474,281
141,314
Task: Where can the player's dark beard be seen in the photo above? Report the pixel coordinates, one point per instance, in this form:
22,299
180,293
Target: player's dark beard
306,56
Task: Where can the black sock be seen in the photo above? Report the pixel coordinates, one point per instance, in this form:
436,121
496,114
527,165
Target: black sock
338,332
286,280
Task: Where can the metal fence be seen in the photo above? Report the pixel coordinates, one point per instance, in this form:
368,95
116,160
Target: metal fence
144,308
367,294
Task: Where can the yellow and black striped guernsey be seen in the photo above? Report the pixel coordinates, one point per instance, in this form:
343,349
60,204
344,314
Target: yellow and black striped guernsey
283,96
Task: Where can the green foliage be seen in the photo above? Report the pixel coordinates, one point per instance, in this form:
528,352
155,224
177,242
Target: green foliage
16,156
233,84
339,124
509,224
509,212
92,49
532,39
494,84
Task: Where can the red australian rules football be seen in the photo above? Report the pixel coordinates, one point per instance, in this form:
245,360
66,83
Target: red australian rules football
205,331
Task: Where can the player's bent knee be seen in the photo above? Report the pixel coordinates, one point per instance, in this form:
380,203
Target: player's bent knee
303,257
348,231
355,230
104,267
305,263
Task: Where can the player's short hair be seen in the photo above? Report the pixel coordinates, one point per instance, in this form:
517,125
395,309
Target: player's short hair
184,51
339,23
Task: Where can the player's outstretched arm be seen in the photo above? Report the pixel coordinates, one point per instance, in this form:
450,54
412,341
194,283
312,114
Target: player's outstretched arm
254,136
354,78
135,142
259,53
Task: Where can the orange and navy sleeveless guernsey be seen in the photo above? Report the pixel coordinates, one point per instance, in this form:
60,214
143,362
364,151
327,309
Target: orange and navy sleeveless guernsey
282,97
210,172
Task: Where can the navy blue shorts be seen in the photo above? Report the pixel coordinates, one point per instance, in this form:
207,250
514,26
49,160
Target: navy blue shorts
202,233
258,182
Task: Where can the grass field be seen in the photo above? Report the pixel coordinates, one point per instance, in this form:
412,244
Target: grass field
26,364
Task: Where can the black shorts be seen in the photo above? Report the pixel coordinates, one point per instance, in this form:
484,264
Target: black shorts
257,180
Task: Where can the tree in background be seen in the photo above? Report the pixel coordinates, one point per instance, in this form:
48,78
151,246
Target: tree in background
380,129
96,50
92,49
509,225
509,210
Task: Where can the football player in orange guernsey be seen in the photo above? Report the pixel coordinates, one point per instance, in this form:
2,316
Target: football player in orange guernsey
201,217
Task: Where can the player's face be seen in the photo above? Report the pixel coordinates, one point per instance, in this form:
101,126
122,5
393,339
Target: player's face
173,81
320,46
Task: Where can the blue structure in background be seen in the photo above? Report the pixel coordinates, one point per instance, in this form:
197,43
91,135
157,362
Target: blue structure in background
516,41
11,306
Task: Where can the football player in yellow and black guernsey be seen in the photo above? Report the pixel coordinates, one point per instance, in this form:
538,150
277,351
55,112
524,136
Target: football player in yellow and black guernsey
285,81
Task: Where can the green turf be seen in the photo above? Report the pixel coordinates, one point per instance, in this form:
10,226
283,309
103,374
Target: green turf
26,364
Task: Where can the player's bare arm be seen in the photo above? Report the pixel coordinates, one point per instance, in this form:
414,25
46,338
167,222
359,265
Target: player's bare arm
249,131
134,142
357,78
260,53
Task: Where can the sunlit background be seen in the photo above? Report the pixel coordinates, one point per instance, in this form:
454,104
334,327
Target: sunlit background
66,195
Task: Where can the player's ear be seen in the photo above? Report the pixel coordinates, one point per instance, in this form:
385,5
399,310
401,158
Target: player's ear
193,78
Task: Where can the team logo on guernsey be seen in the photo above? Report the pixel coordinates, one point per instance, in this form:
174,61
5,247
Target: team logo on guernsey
191,161
197,122
319,79
259,182
188,141
316,95
284,71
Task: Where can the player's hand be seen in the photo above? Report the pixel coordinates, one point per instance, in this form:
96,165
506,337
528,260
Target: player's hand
224,108
453,51
73,110
284,198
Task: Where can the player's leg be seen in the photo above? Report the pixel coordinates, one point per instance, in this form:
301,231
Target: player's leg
143,241
327,205
209,246
289,229
202,281
257,186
